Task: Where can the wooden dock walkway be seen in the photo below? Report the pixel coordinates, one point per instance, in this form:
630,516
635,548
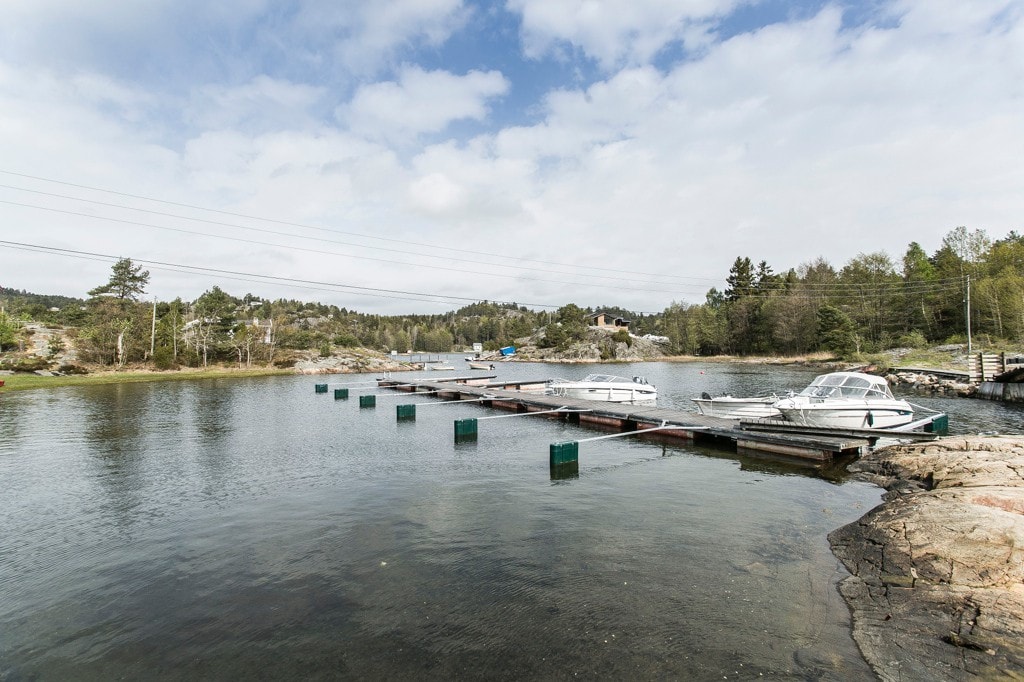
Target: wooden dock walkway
528,396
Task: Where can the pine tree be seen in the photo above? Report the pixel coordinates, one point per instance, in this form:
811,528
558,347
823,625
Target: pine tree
127,282
740,279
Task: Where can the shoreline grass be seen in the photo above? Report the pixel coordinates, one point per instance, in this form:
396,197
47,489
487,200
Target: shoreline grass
22,382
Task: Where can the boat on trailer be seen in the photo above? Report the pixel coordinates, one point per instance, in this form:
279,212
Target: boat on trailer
851,400
606,387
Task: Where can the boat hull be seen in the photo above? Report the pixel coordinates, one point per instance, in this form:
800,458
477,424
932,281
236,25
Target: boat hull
611,394
605,387
849,417
727,407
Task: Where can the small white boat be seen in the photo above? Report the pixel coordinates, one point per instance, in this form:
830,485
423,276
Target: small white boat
850,400
473,364
606,387
728,407
438,366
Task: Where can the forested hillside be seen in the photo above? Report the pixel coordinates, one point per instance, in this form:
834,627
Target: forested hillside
869,304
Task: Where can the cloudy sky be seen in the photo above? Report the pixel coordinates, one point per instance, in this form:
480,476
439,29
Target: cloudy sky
415,155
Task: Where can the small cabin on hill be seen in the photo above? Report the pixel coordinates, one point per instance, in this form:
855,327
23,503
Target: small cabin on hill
608,321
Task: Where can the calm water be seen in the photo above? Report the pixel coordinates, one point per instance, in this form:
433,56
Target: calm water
249,527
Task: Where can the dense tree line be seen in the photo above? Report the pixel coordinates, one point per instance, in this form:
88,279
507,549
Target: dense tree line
869,304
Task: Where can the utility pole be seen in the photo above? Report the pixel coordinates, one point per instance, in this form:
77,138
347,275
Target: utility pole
967,307
152,335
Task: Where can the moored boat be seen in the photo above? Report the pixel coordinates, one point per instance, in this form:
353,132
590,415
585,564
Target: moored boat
606,387
850,400
729,407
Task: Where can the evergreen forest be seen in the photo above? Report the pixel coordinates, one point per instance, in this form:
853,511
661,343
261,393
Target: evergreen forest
971,285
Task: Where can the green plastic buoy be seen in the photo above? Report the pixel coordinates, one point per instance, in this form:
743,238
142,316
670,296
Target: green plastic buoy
321,388
341,394
367,401
465,429
405,411
564,453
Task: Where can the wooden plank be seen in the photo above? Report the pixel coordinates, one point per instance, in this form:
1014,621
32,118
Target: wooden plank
948,373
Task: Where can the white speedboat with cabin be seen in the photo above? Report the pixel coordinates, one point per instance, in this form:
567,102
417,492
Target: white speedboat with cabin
728,407
606,387
851,400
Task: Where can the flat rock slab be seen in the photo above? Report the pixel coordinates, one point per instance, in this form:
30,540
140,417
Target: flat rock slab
937,585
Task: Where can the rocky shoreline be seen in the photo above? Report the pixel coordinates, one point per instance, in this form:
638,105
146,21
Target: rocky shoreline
933,384
937,584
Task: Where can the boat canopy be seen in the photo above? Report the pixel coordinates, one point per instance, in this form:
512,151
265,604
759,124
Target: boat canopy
849,385
611,378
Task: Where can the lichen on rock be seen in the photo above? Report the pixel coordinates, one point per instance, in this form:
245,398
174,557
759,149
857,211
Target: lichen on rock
937,584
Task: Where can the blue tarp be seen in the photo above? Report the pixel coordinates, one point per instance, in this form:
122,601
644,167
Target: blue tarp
507,350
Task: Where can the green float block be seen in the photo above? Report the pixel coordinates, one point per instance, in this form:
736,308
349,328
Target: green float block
341,394
367,401
465,429
321,388
406,411
564,453
939,425
564,471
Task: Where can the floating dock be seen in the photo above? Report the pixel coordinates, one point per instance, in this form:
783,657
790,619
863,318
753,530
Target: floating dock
526,397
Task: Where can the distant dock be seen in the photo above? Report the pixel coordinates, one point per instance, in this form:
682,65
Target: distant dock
810,444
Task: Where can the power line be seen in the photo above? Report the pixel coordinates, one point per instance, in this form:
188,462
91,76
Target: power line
323,286
474,252
332,253
475,261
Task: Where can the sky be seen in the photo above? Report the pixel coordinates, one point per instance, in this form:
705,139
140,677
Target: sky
413,156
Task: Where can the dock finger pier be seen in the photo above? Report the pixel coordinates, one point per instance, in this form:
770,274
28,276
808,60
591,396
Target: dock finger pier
528,398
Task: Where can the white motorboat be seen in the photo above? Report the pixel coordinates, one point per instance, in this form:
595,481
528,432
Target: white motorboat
441,366
476,364
606,387
850,400
728,407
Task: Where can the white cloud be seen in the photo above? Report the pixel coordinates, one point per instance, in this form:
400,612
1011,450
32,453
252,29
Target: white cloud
364,36
613,32
178,40
261,104
797,140
421,102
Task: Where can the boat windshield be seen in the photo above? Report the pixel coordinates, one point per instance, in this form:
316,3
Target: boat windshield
848,386
603,378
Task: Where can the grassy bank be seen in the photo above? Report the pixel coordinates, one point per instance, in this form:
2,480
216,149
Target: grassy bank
20,382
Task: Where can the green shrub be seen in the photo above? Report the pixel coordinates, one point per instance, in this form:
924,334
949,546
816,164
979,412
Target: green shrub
31,363
914,339
345,340
163,358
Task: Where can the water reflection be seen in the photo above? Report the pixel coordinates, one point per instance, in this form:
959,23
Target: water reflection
275,533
